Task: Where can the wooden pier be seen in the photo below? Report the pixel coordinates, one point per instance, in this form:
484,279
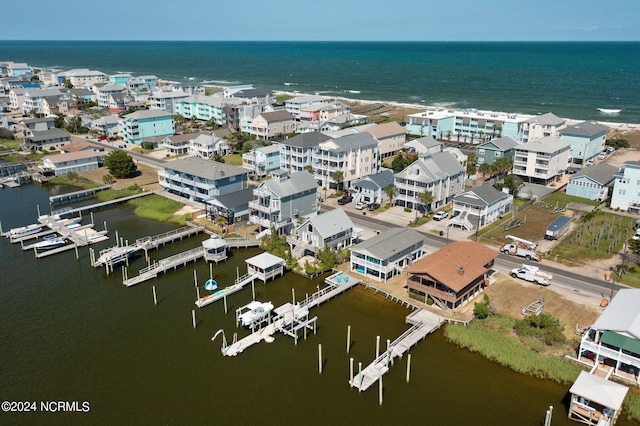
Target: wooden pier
241,242
333,289
149,243
98,206
71,196
222,293
423,323
161,266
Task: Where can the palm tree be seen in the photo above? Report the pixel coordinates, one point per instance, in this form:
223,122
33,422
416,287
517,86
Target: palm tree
425,198
338,177
391,192
485,168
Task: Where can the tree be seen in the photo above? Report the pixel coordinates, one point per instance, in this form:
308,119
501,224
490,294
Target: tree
108,179
67,83
391,192
485,168
425,199
401,161
502,165
59,121
338,177
514,183
472,160
120,164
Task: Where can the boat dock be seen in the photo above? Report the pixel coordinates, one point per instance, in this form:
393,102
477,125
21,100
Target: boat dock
423,323
149,243
338,283
241,242
222,293
72,196
288,320
97,206
163,265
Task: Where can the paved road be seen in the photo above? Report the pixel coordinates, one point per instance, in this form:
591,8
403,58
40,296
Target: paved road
111,146
568,280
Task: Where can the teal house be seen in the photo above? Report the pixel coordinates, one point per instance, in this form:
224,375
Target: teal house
146,123
489,152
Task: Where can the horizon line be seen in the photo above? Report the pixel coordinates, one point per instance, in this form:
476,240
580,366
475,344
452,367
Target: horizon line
326,41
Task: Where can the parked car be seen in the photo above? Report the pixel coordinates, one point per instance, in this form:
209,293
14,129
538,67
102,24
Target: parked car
441,215
346,199
373,206
602,155
636,236
360,205
610,149
589,162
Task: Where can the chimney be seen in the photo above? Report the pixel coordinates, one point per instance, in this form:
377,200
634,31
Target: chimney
461,270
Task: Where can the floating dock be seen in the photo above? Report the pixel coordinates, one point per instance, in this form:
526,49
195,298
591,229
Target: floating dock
150,243
72,196
98,206
423,323
161,266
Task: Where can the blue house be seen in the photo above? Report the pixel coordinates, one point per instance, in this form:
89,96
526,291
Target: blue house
489,152
592,182
626,188
586,139
201,180
137,126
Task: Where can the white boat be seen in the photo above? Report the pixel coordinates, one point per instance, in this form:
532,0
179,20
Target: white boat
115,255
50,242
23,231
609,111
254,311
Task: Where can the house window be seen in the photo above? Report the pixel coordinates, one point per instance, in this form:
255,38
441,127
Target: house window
481,151
498,154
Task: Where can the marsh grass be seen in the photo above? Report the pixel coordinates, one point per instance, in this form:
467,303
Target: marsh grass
114,194
157,208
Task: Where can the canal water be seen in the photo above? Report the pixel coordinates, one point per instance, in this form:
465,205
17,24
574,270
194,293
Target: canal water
70,333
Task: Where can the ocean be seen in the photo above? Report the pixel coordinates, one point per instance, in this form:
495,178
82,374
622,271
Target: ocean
570,79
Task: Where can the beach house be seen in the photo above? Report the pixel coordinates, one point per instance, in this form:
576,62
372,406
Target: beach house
333,230
78,161
592,182
201,180
479,207
540,126
278,201
296,153
391,136
269,125
371,189
355,156
387,254
208,145
262,160
453,275
587,140
440,174
490,151
626,188
147,123
542,161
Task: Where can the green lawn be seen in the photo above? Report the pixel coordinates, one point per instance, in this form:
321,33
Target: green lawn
155,207
233,159
562,199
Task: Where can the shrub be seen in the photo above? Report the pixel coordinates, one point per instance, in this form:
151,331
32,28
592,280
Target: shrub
407,209
544,327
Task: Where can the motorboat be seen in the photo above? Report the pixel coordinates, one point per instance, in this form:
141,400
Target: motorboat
253,312
23,231
50,242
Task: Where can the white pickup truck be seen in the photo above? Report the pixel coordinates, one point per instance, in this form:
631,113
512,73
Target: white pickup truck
517,250
532,274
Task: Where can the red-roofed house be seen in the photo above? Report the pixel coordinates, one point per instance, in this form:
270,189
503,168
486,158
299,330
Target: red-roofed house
453,275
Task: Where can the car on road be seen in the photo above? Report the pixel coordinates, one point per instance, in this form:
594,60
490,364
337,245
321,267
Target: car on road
636,236
441,215
346,199
360,205
373,206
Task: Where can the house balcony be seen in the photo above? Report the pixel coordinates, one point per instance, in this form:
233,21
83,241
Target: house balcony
265,208
602,351
431,291
266,223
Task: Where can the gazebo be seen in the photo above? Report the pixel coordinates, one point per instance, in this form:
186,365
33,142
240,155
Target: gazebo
595,400
265,266
215,249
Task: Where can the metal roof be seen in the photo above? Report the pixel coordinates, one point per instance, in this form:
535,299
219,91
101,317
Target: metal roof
599,390
330,223
388,243
207,169
586,128
265,260
623,314
306,140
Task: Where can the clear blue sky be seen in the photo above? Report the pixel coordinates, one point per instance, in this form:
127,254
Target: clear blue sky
419,20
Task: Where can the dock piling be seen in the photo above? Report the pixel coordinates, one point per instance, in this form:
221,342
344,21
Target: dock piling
91,213
380,390
155,297
195,278
377,346
360,375
293,295
105,226
351,372
38,208
348,338
193,318
197,293
253,290
225,303
408,367
210,271
320,358
388,352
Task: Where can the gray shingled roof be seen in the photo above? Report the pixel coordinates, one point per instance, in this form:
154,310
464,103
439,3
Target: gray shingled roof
331,222
436,167
235,199
484,195
548,145
293,184
373,182
350,142
386,244
207,169
504,143
306,140
548,119
586,128
46,135
276,116
601,173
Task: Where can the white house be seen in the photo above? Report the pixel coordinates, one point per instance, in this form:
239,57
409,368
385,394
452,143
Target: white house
480,206
391,136
208,146
78,161
626,188
296,153
262,160
542,161
541,126
333,229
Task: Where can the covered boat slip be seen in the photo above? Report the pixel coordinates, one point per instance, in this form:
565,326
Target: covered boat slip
265,266
595,400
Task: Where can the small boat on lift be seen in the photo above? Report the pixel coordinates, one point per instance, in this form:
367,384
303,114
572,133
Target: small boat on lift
23,231
50,242
253,312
